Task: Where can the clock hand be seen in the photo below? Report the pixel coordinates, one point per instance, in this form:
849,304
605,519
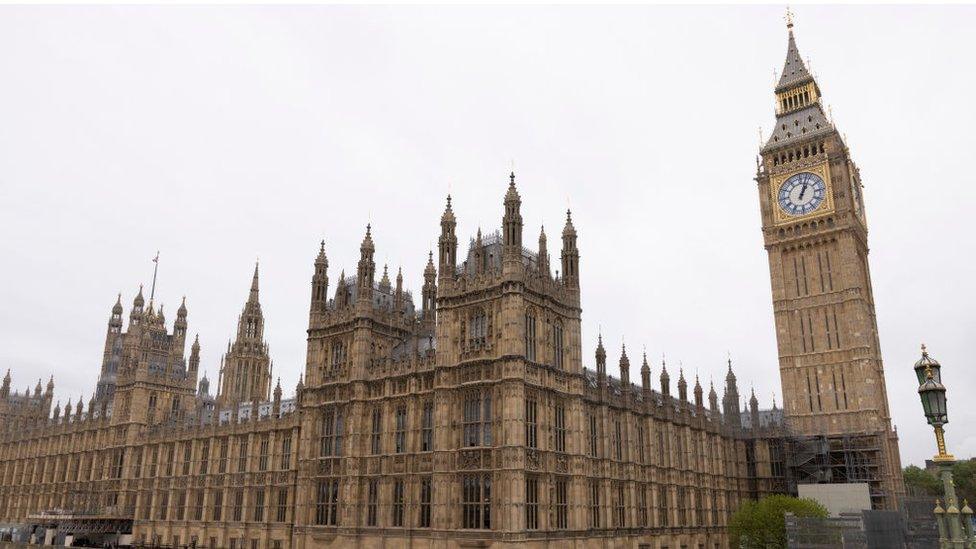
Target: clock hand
803,191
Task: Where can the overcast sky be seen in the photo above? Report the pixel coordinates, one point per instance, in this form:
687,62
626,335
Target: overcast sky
219,135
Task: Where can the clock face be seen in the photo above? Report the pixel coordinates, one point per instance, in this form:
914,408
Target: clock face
802,193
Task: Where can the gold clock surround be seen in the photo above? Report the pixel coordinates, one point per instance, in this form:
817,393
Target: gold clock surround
821,169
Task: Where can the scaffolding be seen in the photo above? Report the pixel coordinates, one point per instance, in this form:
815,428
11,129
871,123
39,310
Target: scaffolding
837,459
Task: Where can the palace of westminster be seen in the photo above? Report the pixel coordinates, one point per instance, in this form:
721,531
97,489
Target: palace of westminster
472,420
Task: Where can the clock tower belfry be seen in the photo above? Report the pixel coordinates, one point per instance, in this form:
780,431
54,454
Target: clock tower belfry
815,232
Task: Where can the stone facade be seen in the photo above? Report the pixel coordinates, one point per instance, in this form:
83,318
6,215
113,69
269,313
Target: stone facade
470,421
826,328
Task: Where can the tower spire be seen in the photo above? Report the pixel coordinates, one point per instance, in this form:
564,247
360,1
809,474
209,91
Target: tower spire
152,291
254,284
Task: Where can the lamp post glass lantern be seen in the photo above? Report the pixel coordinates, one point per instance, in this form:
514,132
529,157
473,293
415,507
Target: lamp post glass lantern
955,528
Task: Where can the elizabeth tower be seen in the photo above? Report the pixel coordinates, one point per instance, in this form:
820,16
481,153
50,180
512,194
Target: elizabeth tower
815,231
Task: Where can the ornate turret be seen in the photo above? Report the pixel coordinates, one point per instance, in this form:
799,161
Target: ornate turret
712,398
385,285
135,316
179,327
512,221
429,292
366,271
601,361
203,388
342,292
624,370
682,385
276,402
57,410
447,243
194,363
245,369
320,280
543,253
665,380
115,319
5,388
730,402
570,255
398,293
646,379
754,410
699,399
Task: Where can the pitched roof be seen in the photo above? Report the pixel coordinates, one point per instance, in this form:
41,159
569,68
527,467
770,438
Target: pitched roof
794,70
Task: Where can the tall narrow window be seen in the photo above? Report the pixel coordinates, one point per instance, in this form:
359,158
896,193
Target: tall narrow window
242,454
803,268
531,425
594,503
557,345
662,507
282,514
816,378
682,506
222,456
830,344
218,505
259,505
263,447
803,334
327,503
477,418
809,391
531,503
836,329
820,269
593,433
286,451
237,510
371,502
618,444
642,506
198,506
640,441
377,420
796,276
425,499
562,503
560,425
427,428
836,391
400,438
204,457
331,438
530,337
813,347
180,504
476,502
843,387
619,516
830,277
397,500
661,449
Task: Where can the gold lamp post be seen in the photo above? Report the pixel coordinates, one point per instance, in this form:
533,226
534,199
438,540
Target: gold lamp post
955,524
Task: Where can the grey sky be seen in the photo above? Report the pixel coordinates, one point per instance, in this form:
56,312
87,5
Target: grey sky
217,135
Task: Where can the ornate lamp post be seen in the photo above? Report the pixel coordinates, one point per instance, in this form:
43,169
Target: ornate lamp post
955,525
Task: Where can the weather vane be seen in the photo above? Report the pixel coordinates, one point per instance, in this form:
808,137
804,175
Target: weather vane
789,18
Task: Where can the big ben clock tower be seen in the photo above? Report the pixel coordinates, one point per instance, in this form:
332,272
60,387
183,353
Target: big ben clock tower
815,231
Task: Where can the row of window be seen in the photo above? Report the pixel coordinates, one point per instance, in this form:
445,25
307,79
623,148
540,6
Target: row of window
556,341
259,505
653,505
164,459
